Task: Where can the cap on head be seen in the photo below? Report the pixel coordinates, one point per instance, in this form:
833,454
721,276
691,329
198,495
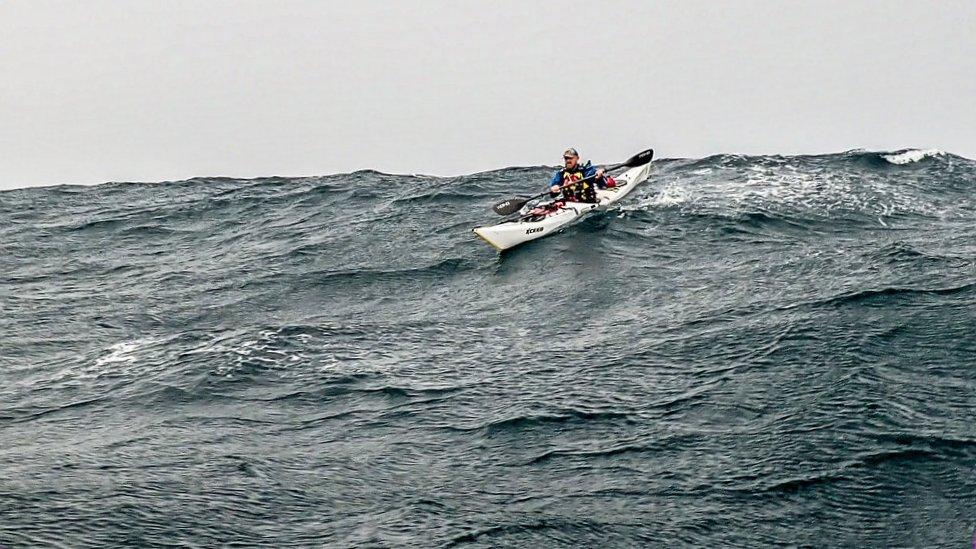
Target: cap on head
571,152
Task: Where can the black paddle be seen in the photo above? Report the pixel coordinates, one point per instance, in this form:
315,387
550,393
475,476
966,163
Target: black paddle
514,204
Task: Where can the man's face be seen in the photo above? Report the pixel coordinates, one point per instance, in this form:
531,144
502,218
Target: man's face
570,161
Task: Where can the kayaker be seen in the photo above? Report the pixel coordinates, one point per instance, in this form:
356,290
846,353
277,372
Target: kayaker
574,171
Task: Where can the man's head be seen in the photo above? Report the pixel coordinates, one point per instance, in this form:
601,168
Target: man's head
570,158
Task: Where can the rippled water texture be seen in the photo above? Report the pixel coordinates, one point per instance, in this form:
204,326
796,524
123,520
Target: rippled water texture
748,351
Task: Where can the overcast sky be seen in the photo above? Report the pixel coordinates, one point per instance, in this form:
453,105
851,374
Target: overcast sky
127,90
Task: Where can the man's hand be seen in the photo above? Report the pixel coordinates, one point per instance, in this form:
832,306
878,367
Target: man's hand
599,173
554,188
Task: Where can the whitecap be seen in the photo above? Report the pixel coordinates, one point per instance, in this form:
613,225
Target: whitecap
912,155
120,358
123,352
670,195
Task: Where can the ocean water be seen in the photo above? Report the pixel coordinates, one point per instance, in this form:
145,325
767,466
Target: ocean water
749,351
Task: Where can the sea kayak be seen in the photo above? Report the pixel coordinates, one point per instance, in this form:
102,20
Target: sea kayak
548,218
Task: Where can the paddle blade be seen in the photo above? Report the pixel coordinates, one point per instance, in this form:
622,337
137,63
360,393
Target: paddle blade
639,159
509,206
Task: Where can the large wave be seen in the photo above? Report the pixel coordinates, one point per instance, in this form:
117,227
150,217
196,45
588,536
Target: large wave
337,360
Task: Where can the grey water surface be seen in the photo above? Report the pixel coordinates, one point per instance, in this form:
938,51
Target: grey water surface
749,351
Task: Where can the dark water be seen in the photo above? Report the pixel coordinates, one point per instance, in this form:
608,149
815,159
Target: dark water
749,351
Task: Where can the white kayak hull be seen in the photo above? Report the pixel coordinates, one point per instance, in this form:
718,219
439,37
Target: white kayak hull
512,233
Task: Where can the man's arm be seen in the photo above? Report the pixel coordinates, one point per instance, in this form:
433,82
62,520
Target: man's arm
556,181
591,171
596,173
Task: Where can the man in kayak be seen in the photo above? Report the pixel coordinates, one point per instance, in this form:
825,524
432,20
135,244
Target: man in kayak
585,191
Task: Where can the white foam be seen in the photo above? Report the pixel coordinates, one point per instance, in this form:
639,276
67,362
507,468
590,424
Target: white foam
121,353
912,155
670,195
122,357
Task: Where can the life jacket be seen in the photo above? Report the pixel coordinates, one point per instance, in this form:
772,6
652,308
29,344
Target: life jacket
581,192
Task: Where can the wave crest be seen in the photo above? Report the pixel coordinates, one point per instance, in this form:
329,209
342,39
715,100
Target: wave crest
912,155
